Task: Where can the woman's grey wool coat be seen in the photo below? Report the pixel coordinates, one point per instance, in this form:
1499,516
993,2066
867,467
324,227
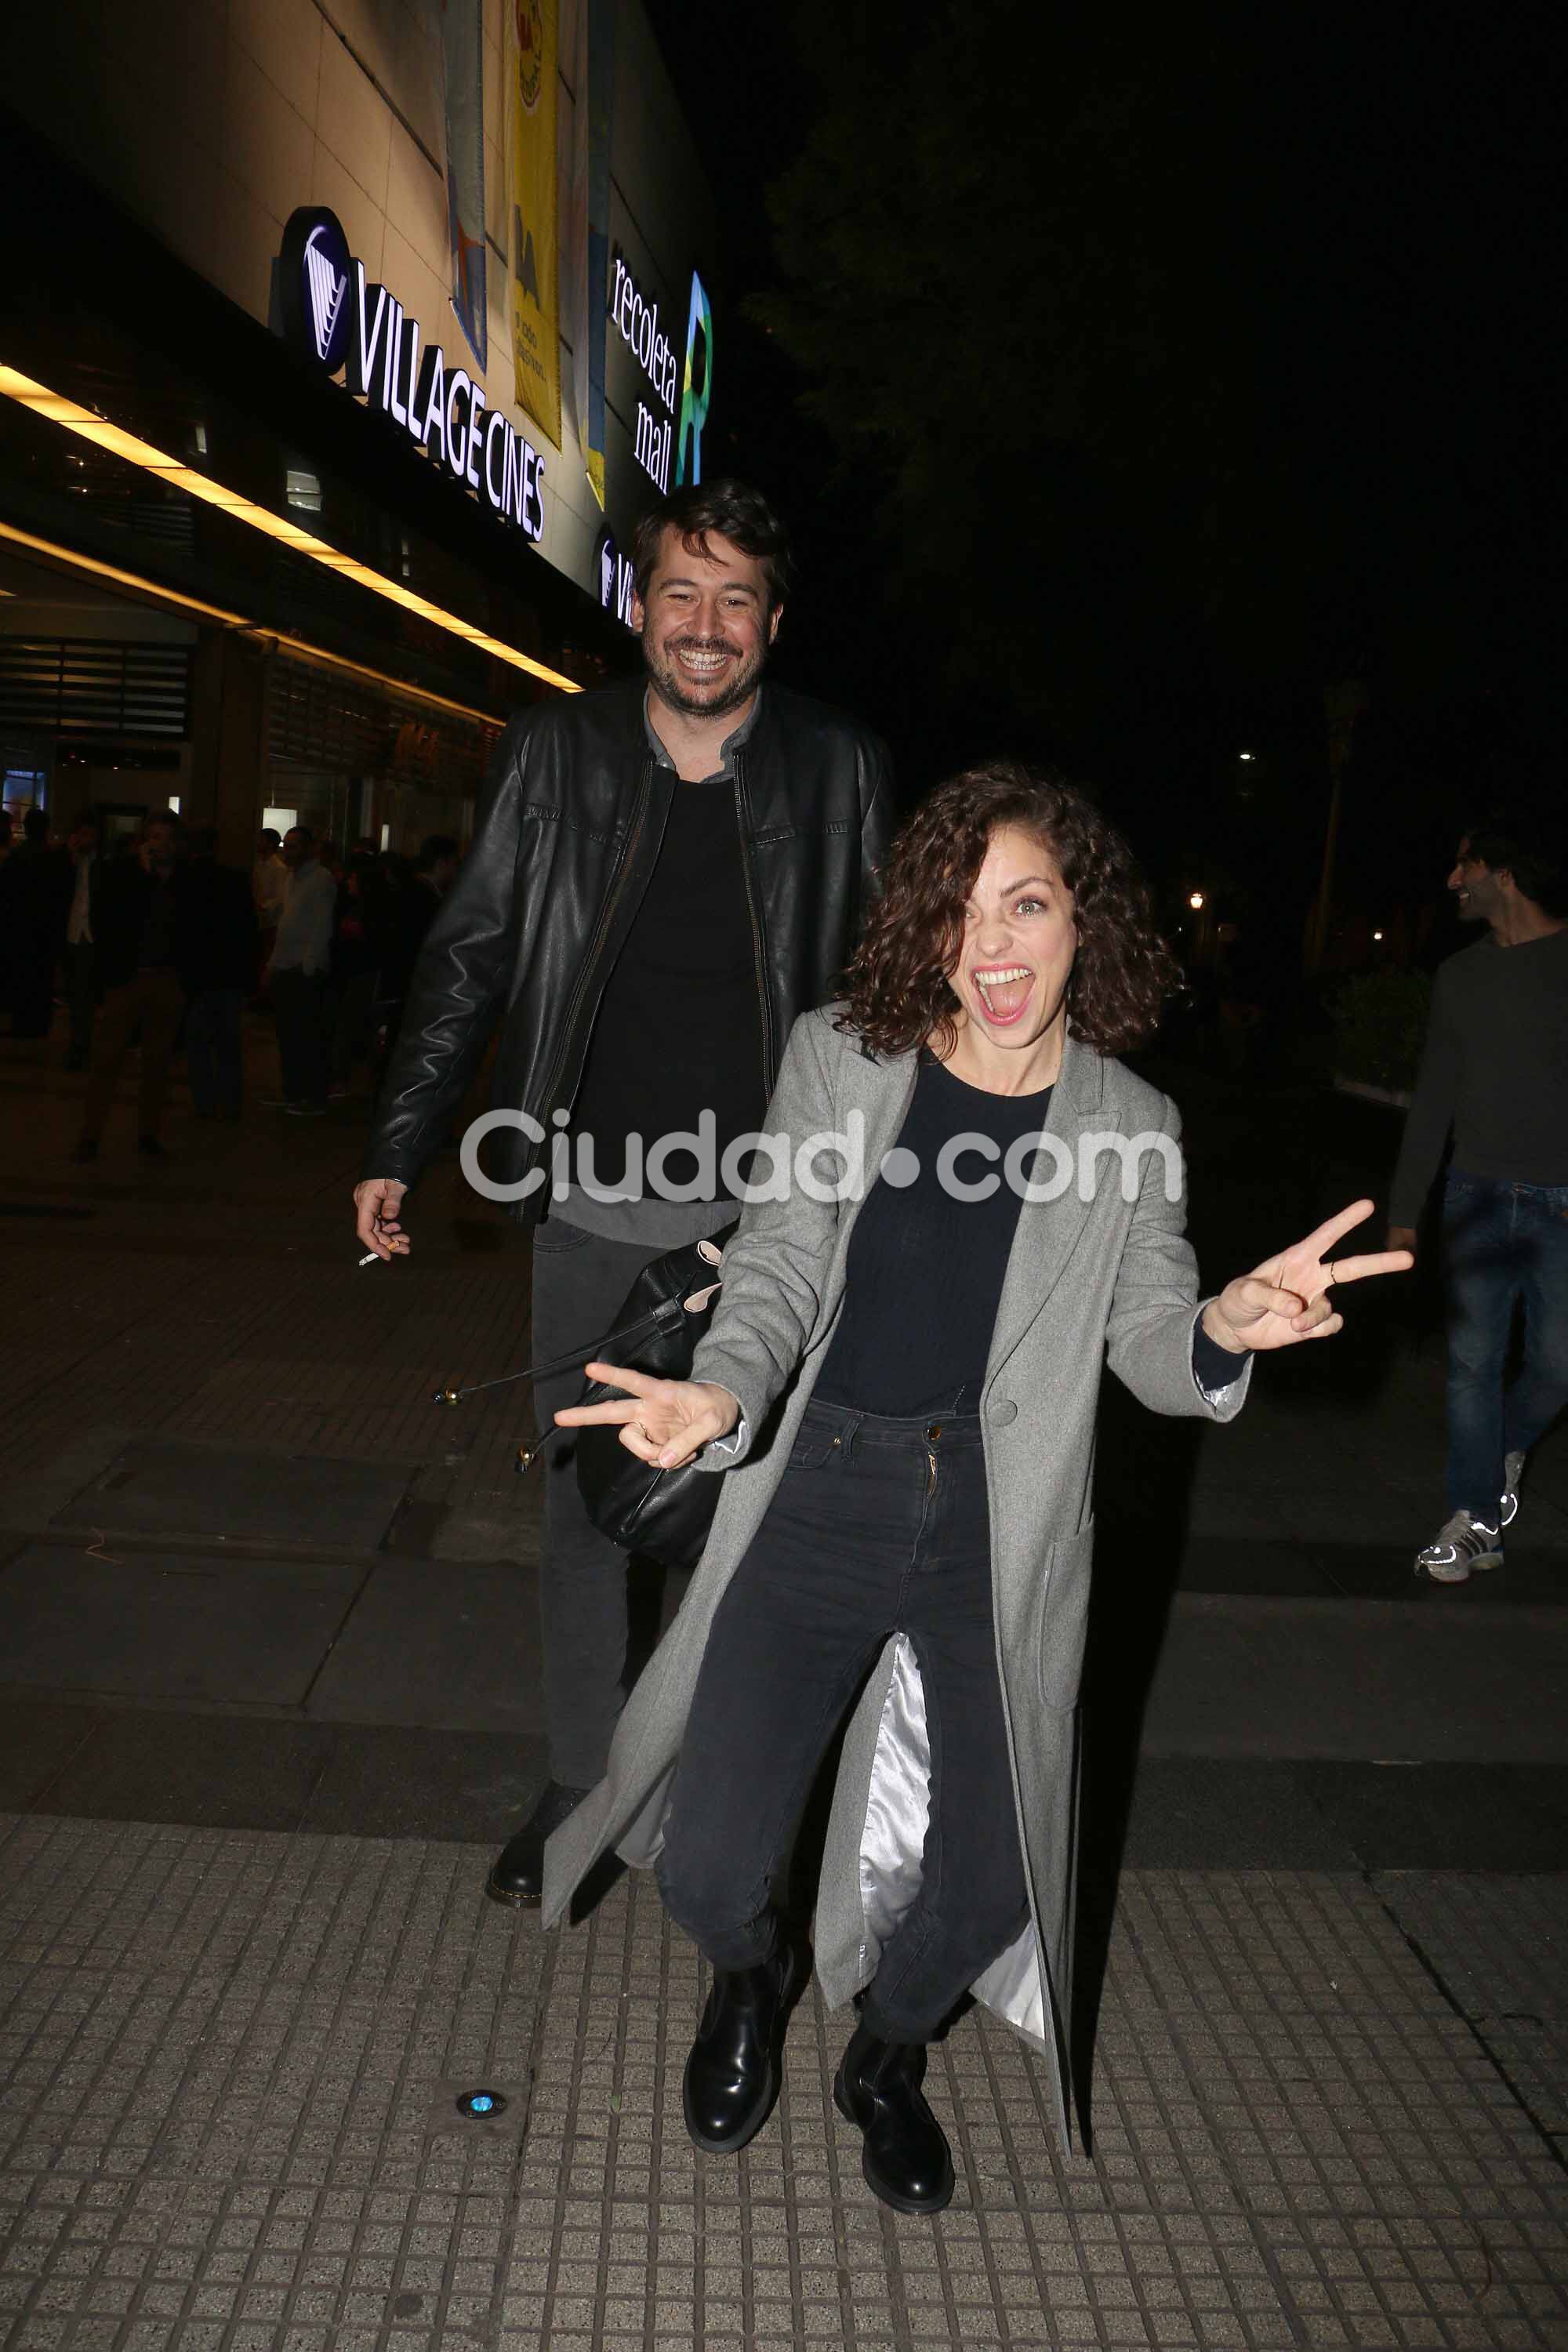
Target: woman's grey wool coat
1100,1274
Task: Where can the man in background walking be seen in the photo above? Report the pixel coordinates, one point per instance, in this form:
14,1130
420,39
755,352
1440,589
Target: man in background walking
80,987
217,965
136,936
301,956
270,888
1495,1073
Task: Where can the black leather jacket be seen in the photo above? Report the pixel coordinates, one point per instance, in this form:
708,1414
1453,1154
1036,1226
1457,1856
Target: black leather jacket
569,827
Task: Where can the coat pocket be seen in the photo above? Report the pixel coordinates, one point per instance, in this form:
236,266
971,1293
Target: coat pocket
1064,1618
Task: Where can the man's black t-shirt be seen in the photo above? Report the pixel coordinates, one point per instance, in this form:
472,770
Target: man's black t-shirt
679,1026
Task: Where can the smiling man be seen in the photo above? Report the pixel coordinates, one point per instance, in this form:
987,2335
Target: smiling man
1495,1073
664,874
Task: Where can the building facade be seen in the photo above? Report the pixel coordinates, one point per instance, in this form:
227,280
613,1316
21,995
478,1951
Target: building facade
344,342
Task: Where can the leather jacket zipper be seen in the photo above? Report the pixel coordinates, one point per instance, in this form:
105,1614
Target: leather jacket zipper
742,818
606,913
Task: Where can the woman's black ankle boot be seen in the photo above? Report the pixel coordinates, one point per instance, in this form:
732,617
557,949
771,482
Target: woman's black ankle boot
905,2160
733,2073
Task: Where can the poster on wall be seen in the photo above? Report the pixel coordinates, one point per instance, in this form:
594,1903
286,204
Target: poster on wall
530,51
462,59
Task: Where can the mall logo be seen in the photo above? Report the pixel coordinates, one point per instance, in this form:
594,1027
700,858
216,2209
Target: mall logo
333,313
616,578
326,264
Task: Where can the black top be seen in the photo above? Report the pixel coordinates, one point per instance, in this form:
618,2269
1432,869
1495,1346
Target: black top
924,1271
1495,1069
679,1025
923,1278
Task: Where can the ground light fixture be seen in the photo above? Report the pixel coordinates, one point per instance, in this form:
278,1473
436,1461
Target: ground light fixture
477,2105
72,417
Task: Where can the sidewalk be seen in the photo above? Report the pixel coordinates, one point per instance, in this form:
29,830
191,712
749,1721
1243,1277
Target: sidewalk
272,1695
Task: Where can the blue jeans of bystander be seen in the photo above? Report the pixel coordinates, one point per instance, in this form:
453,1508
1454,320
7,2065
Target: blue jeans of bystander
1505,1246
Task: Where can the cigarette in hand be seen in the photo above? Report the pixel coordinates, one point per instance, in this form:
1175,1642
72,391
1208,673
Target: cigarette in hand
371,1257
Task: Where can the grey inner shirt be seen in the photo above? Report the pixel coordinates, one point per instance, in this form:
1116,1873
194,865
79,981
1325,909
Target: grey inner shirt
1495,1070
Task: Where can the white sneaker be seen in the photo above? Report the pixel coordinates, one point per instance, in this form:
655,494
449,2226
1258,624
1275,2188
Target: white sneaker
1461,1546
1512,1472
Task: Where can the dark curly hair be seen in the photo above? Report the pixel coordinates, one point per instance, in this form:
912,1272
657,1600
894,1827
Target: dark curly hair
897,990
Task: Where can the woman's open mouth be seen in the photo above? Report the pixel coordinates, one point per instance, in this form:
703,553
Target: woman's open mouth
1004,990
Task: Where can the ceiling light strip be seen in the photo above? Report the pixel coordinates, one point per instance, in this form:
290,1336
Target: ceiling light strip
72,560
72,417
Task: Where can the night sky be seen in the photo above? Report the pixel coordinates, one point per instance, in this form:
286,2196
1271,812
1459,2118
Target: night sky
1128,382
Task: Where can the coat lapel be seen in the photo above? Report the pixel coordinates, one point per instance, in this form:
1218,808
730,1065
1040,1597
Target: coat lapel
1049,1231
880,1091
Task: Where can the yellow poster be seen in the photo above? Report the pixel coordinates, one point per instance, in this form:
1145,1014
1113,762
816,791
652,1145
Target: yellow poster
531,55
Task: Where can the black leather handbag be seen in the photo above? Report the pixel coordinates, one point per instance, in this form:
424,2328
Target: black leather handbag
664,1514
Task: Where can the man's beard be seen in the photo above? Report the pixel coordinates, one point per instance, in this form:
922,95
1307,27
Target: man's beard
675,691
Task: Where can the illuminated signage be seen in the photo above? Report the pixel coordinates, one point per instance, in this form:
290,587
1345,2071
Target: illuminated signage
338,317
697,386
616,578
657,436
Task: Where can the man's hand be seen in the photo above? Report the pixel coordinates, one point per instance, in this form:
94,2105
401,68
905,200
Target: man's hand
376,1203
1403,1237
661,1422
1286,1298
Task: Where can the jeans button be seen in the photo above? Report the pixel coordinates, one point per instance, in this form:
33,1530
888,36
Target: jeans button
934,1429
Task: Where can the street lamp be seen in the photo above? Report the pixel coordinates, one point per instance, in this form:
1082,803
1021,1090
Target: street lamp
1195,901
1244,755
1377,935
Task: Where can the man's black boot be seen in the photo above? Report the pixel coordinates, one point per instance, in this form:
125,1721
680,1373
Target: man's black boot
732,2074
905,2160
519,1872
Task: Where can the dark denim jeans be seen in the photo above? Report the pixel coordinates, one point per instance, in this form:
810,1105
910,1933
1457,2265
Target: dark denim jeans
878,1526
300,1006
1504,1245
214,1061
580,1283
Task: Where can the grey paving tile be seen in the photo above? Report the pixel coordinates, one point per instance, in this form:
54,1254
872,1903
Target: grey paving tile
222,2050
209,1771
169,1624
166,1487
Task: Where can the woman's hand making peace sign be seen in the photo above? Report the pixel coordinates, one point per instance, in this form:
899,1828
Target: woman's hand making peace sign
661,1422
1286,1298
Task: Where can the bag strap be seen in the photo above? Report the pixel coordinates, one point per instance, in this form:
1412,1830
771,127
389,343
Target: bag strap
664,1312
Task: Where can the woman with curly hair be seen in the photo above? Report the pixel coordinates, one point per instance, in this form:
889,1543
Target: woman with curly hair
900,1384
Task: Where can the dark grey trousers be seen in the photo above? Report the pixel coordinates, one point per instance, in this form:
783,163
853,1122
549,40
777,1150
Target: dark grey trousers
580,1280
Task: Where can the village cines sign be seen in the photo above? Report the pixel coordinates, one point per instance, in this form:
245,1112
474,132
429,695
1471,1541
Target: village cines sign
334,315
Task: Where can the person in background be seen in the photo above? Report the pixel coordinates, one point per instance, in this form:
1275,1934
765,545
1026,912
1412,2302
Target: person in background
435,870
359,952
80,991
217,949
1494,1074
269,889
137,917
35,894
301,958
